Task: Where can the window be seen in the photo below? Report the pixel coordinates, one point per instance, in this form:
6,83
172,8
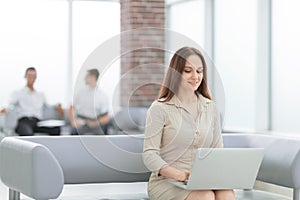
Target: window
235,60
31,35
286,70
95,22
187,18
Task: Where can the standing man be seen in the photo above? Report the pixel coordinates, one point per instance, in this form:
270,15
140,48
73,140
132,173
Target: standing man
29,104
90,112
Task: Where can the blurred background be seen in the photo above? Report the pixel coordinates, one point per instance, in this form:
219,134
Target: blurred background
252,43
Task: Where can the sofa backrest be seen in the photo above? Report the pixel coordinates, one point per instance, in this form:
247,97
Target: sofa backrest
130,120
97,159
281,162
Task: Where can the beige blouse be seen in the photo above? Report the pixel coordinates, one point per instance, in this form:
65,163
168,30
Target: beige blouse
172,135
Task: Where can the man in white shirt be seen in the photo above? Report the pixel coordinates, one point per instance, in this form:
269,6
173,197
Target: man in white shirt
29,104
89,115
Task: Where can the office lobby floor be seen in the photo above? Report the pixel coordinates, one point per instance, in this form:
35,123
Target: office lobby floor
3,191
119,191
93,191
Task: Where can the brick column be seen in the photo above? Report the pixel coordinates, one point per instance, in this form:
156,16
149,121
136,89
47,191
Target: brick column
142,50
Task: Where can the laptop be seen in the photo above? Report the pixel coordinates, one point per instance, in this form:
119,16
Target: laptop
223,168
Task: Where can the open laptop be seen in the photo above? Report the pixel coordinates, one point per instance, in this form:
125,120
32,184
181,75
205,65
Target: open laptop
223,168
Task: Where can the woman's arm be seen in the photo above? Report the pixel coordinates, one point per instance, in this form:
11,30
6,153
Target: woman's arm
155,122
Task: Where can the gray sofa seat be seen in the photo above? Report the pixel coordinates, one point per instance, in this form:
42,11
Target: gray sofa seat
117,159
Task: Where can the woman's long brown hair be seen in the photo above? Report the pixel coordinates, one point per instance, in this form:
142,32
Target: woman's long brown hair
173,77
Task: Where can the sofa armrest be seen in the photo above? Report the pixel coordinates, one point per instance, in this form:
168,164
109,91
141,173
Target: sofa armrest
281,160
30,168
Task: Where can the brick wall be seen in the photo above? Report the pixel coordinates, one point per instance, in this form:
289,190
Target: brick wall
142,50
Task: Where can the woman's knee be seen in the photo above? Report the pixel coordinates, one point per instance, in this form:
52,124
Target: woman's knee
201,194
224,195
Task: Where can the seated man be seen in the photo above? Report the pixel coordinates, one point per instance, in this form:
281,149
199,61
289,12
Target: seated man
29,104
89,115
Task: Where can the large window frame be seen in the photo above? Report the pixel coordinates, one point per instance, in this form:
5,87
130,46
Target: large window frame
263,89
70,59
68,65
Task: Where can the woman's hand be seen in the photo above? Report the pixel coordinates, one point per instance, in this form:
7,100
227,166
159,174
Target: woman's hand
184,175
173,173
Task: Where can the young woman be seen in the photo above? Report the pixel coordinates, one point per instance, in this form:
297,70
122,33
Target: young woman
183,119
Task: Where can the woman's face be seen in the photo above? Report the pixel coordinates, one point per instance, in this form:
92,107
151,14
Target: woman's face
193,72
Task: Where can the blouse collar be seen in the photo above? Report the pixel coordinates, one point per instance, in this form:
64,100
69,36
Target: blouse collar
202,101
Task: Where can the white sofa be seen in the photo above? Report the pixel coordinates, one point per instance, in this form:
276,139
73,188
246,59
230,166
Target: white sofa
39,166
